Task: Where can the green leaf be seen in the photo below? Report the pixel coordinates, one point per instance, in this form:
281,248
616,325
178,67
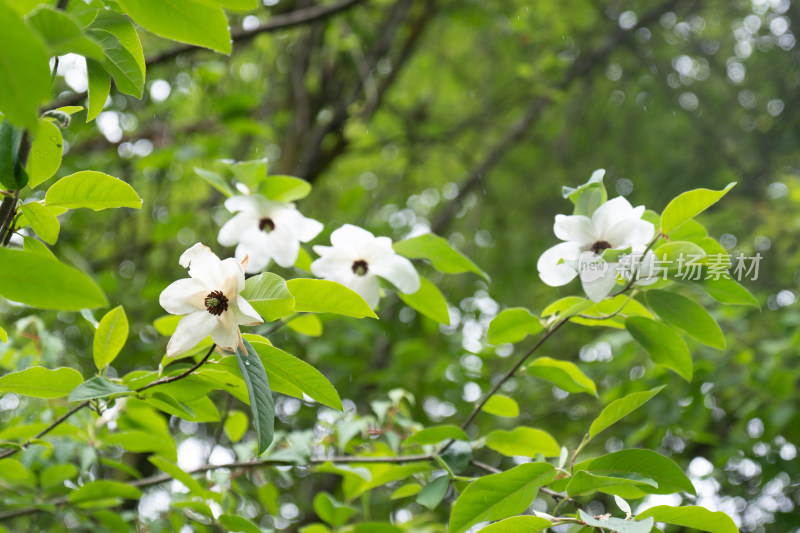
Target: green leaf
299,373
33,279
46,151
524,441
618,525
177,473
99,88
499,496
40,382
120,63
269,296
663,344
457,456
309,325
435,435
285,188
564,374
30,244
688,205
691,516
140,441
332,511
434,492
187,21
687,315
500,405
103,490
376,527
57,474
96,387
589,196
405,491
324,296
621,408
429,301
3,336
647,463
92,189
123,29
518,524
12,175
168,404
583,483
438,251
677,255
261,403
24,69
42,221
110,337
61,33
234,5
727,291
512,325
216,181
236,425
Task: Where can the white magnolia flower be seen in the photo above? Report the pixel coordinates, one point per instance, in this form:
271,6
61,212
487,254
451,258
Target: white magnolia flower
265,230
210,300
644,268
614,225
356,260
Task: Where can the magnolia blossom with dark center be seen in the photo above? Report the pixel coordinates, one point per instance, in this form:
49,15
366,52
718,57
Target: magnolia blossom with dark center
358,258
614,225
265,230
210,301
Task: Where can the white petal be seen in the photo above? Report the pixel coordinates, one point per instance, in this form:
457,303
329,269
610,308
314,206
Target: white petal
553,273
302,228
322,250
631,232
399,271
610,213
282,246
245,314
192,329
184,296
257,260
330,268
349,237
226,331
245,203
598,283
367,286
576,228
203,264
232,231
233,273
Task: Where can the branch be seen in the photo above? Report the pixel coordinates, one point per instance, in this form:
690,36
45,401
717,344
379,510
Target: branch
80,406
278,22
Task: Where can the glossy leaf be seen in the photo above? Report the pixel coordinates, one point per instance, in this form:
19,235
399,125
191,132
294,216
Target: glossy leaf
92,189
40,382
324,296
500,405
122,28
99,88
727,291
691,516
499,496
261,402
269,296
618,409
12,175
664,345
236,425
120,63
61,33
42,221
564,374
513,325
583,483
285,188
428,301
647,463
518,524
524,441
688,205
435,435
46,151
96,387
24,69
687,315
616,524
33,279
309,325
187,21
434,492
215,180
103,490
332,511
438,251
110,337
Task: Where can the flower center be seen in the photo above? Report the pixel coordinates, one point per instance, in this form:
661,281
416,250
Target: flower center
216,303
266,224
599,246
360,267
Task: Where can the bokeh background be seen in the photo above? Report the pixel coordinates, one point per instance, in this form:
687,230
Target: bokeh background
467,117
